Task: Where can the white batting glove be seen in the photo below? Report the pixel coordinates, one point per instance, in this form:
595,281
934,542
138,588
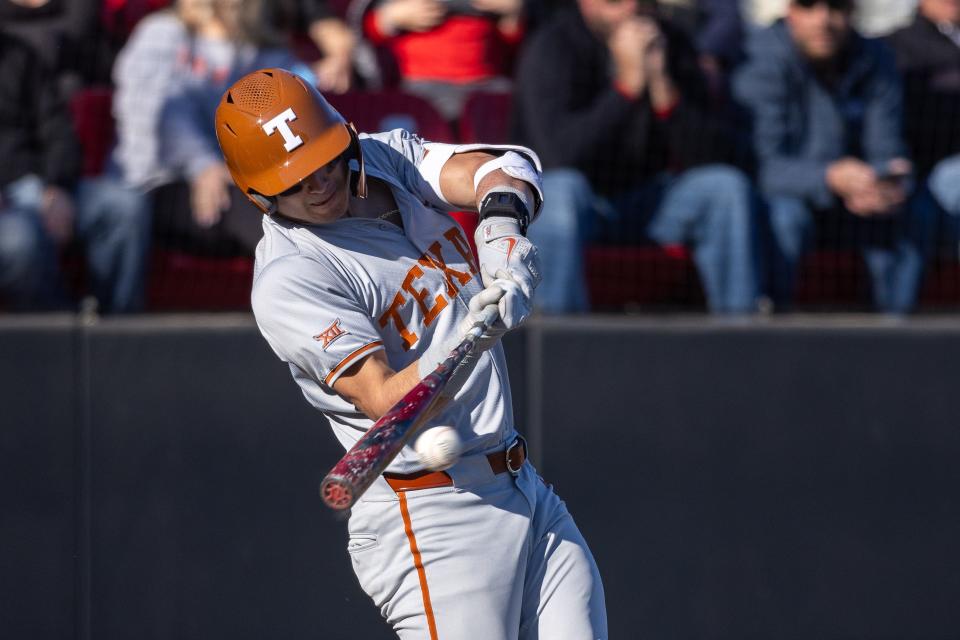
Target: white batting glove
438,350
501,246
514,305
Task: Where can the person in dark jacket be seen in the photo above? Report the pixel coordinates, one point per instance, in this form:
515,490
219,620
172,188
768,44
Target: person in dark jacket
68,37
827,111
928,55
613,100
37,208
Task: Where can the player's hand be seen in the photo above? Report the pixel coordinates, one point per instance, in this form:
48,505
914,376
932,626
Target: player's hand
502,248
514,305
480,305
506,299
210,194
487,301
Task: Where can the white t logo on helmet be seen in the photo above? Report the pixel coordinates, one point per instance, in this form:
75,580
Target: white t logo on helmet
290,140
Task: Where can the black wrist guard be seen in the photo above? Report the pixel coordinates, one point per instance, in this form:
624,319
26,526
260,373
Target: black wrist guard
506,204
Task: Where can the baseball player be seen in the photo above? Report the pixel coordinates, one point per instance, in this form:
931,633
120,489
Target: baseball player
363,284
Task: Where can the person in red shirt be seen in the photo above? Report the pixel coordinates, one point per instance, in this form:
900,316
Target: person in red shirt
446,49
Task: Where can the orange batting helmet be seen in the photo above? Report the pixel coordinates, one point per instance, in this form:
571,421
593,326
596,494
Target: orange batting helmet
275,130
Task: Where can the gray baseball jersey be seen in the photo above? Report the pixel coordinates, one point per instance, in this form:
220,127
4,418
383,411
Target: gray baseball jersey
326,296
492,556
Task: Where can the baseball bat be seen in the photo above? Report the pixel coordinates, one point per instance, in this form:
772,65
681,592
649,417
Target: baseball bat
376,449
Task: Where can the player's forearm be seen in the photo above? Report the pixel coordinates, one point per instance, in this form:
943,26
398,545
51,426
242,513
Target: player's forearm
497,179
457,180
391,389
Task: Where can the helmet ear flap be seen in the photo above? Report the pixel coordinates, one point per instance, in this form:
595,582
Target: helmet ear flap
358,181
266,204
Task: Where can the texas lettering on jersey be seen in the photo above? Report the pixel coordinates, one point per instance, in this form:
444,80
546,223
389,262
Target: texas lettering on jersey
430,305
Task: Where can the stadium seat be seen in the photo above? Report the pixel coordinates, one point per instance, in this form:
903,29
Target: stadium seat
634,277
652,277
486,118
373,111
833,278
182,282
941,287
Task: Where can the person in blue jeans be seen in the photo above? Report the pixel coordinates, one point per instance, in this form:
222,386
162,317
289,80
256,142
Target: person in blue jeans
29,277
827,111
37,219
41,207
635,149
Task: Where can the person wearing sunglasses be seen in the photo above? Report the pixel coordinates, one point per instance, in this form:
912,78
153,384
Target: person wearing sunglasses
826,107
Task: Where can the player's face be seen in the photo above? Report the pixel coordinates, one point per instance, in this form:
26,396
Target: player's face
321,197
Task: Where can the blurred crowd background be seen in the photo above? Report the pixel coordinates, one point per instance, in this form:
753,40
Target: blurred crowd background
731,156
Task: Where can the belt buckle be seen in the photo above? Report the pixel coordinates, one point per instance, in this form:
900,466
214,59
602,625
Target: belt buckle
519,442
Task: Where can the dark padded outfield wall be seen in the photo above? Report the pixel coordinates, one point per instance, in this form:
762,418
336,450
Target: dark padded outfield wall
779,482
207,522
38,478
159,479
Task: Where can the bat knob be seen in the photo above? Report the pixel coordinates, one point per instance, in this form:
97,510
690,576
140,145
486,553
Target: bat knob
336,495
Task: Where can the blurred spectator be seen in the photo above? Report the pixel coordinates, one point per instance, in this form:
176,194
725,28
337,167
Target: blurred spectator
872,17
445,48
928,53
721,30
37,211
204,49
714,26
827,110
327,31
68,37
315,19
615,104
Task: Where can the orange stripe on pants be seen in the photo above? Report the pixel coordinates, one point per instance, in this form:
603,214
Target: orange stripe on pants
418,563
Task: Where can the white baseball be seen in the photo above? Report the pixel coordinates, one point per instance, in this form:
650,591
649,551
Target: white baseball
439,447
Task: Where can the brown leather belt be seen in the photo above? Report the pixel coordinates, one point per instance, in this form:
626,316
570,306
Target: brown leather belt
508,460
